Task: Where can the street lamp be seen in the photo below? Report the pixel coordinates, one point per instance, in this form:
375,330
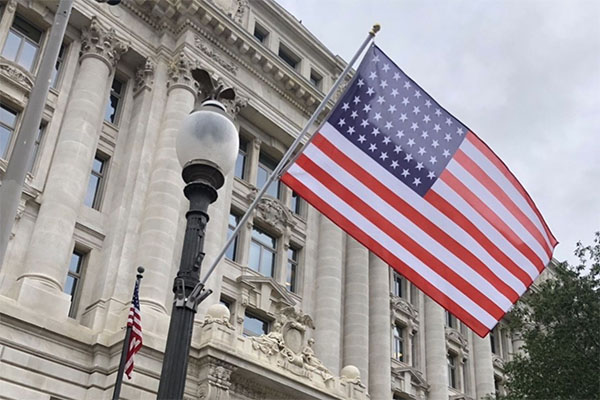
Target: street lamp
207,147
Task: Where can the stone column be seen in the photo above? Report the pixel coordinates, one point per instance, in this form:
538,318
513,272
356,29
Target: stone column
328,305
51,244
158,248
436,360
8,16
356,308
380,352
484,369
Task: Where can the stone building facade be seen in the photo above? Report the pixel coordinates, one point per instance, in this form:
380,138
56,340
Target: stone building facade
299,310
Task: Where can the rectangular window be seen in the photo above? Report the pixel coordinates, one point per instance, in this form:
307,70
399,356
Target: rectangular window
260,33
8,120
36,148
22,44
399,285
398,347
231,252
266,166
93,196
452,381
113,108
450,320
288,56
316,79
254,326
296,204
240,162
262,252
494,341
292,270
73,282
59,62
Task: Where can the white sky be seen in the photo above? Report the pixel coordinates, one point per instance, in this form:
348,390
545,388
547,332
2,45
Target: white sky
522,74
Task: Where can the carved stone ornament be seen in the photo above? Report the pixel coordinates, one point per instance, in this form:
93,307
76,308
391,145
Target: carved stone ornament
11,6
236,9
213,55
16,74
497,361
180,72
289,345
144,76
103,43
452,335
274,213
218,379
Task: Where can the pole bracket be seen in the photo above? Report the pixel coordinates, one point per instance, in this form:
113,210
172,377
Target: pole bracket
197,296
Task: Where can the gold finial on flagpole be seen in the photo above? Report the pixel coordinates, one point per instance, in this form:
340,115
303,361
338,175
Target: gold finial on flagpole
375,29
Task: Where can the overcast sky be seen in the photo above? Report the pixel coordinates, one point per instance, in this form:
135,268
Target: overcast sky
523,74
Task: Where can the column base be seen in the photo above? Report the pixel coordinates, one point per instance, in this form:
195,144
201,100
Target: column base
47,300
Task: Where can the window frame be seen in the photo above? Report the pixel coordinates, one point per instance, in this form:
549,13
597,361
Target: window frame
235,242
56,77
316,79
264,162
250,314
452,361
78,277
11,129
120,98
32,163
98,197
288,56
294,262
263,247
400,289
242,151
24,37
399,342
262,31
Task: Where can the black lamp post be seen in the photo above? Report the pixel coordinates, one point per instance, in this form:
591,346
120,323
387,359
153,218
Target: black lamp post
207,147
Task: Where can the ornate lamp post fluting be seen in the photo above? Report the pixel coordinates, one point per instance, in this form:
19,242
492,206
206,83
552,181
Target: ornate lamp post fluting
207,147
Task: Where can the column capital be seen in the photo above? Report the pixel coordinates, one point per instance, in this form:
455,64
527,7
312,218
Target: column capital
103,43
180,73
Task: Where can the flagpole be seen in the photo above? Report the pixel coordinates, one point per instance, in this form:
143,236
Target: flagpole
121,372
276,173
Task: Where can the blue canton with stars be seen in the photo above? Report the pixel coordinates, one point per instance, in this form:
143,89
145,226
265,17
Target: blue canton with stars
390,118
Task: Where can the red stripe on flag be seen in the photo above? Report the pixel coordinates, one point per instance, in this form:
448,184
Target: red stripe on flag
401,237
385,255
459,219
414,216
463,191
502,197
494,159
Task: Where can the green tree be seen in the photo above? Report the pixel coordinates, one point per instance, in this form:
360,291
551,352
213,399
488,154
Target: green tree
560,326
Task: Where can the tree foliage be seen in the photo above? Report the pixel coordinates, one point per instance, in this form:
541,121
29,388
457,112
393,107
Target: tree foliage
559,323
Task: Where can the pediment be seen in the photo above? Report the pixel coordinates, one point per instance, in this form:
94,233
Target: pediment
416,376
262,282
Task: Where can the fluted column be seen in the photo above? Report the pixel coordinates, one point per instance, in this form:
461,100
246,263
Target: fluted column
356,308
51,243
484,369
328,295
158,247
436,361
380,352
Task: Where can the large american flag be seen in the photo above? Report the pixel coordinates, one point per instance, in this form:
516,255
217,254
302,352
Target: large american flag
413,184
135,322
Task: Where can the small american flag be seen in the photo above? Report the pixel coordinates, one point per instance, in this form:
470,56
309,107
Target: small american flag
414,185
135,322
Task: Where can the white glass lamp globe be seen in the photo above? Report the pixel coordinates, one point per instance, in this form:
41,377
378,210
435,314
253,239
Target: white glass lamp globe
208,134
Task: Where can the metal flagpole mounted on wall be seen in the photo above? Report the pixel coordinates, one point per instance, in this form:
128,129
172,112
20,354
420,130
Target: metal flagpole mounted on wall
290,152
121,372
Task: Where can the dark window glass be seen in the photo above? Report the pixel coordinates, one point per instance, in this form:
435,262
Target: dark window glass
452,381
260,33
254,326
231,252
450,320
240,162
114,102
493,341
57,66
72,283
36,148
315,79
93,196
266,166
22,43
399,286
292,270
288,56
296,203
262,252
398,343
8,119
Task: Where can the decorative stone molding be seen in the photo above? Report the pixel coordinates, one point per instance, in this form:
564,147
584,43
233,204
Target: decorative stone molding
498,362
415,378
218,314
216,376
213,55
234,107
11,6
455,337
144,76
16,74
264,284
402,310
102,43
273,212
180,73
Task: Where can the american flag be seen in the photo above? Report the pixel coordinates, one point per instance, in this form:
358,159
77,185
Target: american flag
135,322
415,186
